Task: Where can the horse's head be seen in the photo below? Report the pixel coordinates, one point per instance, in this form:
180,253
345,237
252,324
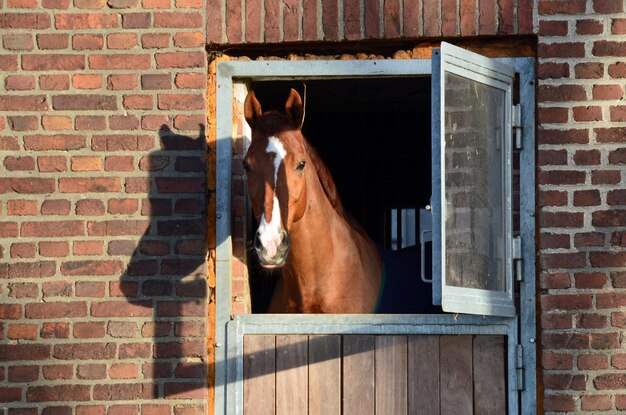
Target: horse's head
275,166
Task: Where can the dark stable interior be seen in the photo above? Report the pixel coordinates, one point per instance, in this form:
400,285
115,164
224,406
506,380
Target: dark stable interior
374,135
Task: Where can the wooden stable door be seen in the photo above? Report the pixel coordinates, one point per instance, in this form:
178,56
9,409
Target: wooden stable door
374,374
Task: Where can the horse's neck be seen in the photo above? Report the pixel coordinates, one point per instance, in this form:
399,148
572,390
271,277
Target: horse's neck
330,259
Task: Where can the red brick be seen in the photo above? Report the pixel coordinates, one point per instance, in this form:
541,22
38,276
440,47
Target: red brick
56,122
23,250
91,371
87,42
90,122
10,311
618,361
587,198
136,20
552,115
91,267
179,60
89,330
122,329
90,289
563,260
14,352
21,207
54,82
54,249
618,319
552,198
591,321
612,381
84,351
55,207
609,48
596,403
155,41
122,142
180,102
617,70
84,102
190,390
55,331
618,238
190,80
53,41
592,362
551,70
587,114
8,229
56,4
122,41
87,81
52,62
22,332
607,6
123,122
23,103
566,301
90,207
589,27
564,382
124,61
554,241
10,394
618,156
122,206
188,39
25,163
607,259
58,372
29,21
122,82
121,309
124,371
608,218
79,185
178,20
561,93
19,82
9,143
58,393
86,163
589,239
56,310
551,7
18,41
57,228
553,27
561,50
138,102
73,21
123,391
23,123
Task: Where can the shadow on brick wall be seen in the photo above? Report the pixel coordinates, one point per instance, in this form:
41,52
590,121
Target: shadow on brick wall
165,279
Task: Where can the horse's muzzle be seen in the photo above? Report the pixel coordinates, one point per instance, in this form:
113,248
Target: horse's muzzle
275,254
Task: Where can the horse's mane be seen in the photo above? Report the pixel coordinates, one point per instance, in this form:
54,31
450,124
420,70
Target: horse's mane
330,189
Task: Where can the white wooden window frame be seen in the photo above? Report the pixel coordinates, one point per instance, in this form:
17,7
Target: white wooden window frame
519,330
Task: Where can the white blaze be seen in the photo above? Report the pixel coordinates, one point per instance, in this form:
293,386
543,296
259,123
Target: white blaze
270,233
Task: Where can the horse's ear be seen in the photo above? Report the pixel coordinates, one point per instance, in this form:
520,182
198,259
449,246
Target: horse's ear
252,109
294,108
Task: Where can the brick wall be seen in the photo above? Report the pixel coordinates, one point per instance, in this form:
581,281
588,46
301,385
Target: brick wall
102,207
274,21
582,193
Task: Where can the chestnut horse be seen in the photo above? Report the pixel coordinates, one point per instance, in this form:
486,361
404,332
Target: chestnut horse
328,263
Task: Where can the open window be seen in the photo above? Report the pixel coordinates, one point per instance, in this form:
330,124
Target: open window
451,122
472,183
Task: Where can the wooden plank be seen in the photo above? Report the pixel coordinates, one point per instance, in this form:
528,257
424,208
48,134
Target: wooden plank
259,370
325,375
358,374
391,375
291,374
489,375
423,375
455,362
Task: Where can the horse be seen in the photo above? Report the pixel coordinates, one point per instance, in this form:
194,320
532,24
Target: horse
328,263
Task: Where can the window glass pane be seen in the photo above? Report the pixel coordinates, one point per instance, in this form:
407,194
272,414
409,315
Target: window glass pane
474,115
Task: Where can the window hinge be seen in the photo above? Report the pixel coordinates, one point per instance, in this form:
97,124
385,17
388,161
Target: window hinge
517,125
517,258
519,368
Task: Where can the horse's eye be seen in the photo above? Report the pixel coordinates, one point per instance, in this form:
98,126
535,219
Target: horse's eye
301,165
246,166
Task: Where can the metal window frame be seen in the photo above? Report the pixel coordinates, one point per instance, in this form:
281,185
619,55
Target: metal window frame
489,72
229,331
